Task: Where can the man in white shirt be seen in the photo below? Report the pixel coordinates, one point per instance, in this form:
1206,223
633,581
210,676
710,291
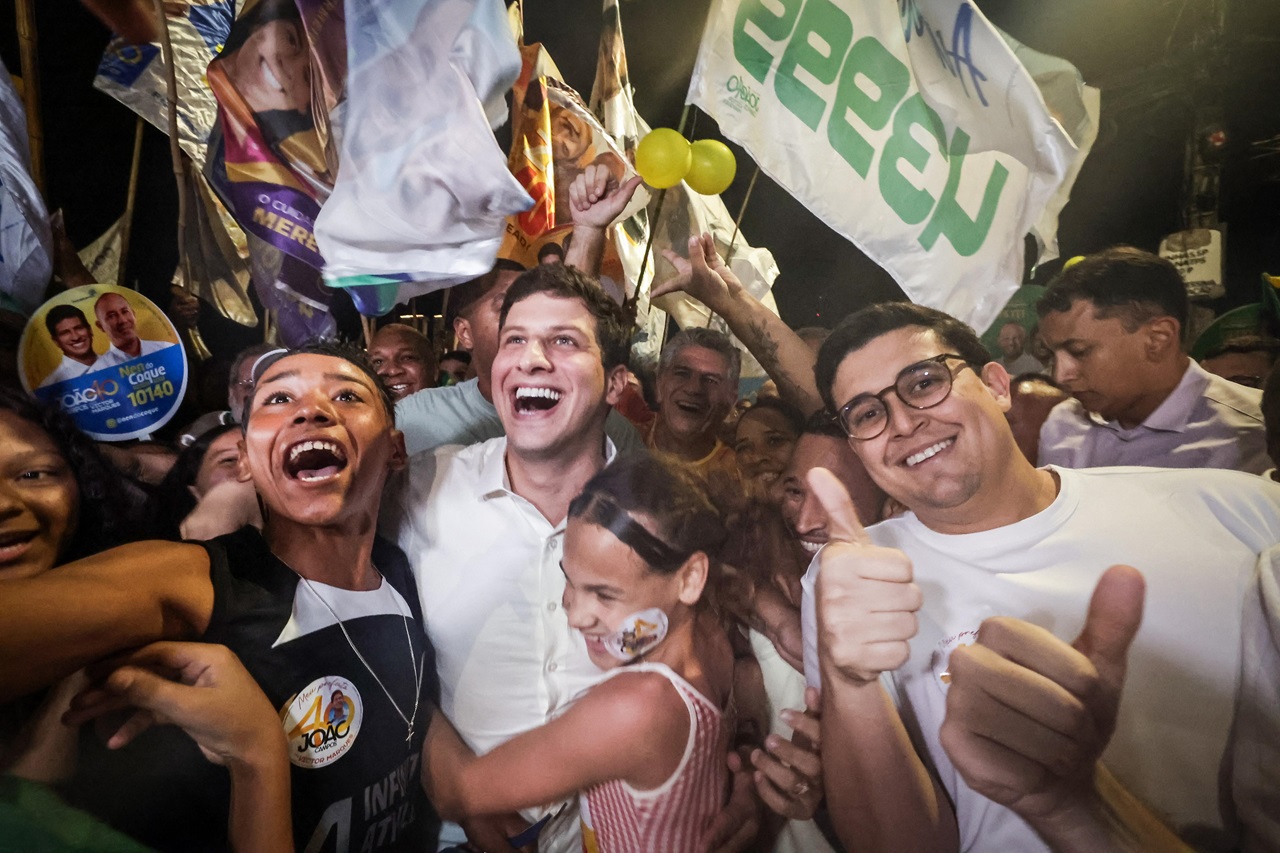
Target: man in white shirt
1114,322
115,317
483,525
962,613
69,329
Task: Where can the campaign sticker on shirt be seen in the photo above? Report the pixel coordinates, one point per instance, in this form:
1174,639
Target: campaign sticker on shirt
108,357
941,662
321,722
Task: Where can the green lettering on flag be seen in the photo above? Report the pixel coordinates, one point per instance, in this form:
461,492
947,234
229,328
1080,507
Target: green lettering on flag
949,219
818,46
752,55
887,73
912,204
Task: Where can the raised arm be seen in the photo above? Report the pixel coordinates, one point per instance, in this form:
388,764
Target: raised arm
879,793
781,352
632,727
596,199
55,623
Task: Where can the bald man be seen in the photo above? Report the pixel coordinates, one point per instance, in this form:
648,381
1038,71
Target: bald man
115,317
402,357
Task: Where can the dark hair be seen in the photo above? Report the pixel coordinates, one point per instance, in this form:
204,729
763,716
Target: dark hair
862,327
253,351
613,331
333,349
1123,282
793,416
58,313
173,498
457,355
707,339
109,515
667,494
822,422
463,296
549,249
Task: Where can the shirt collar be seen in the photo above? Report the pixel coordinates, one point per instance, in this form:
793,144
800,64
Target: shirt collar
493,467
1174,413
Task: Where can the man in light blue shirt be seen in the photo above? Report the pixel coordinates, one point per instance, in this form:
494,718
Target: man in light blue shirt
1114,323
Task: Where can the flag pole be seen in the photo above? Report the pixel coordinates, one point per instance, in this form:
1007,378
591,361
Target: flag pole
29,46
126,226
742,210
198,347
653,230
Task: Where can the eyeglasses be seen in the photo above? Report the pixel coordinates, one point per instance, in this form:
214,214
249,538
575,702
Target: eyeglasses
922,385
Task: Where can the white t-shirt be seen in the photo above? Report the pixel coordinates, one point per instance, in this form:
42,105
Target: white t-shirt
1195,536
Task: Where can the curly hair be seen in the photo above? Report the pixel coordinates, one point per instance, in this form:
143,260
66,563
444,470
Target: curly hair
350,353
109,514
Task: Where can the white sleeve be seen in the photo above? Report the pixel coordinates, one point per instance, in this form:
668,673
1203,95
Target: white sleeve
1255,757
809,624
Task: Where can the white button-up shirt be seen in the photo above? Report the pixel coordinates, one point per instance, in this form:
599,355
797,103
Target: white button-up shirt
487,564
1206,422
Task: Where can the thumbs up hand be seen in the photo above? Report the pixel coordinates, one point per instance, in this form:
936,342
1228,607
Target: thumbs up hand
1028,715
865,598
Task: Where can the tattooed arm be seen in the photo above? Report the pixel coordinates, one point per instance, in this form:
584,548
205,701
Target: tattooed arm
781,352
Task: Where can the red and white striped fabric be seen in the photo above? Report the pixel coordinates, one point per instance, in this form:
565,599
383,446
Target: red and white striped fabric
616,818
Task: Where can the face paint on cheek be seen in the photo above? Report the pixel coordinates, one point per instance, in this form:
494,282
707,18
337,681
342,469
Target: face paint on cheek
637,634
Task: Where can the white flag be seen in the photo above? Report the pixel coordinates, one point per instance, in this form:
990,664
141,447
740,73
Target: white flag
910,128
684,214
1076,107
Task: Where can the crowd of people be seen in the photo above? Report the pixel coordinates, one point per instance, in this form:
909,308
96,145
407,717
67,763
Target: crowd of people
525,594
562,605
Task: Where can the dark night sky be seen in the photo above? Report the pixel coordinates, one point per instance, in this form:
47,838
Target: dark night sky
1130,190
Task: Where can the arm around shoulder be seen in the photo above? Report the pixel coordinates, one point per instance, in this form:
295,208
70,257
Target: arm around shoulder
632,727
55,623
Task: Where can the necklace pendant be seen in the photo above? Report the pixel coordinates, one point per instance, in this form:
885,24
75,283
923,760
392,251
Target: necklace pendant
409,737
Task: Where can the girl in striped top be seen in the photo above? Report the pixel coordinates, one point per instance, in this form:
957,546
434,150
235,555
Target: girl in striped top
646,746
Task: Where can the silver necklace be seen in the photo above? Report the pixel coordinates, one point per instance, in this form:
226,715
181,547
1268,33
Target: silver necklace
417,668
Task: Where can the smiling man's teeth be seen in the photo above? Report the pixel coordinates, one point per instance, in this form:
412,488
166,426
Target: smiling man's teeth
811,547
269,77
548,393
929,452
303,447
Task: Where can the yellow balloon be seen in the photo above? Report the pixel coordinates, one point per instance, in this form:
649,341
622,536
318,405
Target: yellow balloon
662,158
712,169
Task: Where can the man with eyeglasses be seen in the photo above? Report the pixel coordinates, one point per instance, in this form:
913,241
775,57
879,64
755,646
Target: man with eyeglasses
958,710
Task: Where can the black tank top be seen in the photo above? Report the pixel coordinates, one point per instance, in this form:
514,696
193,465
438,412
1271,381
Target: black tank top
355,778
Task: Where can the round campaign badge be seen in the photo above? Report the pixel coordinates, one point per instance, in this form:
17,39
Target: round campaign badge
108,357
321,722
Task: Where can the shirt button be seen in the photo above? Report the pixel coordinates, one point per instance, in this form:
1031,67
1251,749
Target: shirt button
552,667
551,606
